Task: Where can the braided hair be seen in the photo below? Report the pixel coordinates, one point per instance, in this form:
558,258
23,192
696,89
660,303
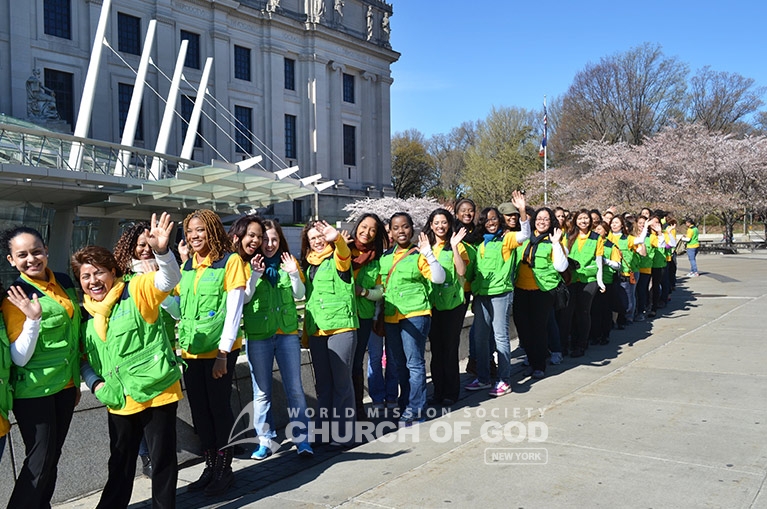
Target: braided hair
218,240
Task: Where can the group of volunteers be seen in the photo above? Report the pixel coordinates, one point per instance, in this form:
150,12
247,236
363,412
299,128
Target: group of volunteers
381,289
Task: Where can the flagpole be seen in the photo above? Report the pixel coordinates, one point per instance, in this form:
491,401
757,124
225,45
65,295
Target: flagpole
545,156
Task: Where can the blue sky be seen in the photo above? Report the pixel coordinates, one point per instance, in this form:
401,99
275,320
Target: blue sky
459,59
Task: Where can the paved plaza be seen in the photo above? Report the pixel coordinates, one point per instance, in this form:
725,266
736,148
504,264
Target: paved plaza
672,413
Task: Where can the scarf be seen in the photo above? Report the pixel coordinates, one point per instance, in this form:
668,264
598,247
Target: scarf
490,237
365,255
272,268
528,256
100,311
315,258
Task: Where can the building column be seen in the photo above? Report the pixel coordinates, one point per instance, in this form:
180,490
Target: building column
62,227
335,123
369,154
384,132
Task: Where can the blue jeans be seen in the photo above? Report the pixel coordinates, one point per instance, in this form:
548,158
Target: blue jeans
382,385
407,341
692,252
629,291
286,348
491,318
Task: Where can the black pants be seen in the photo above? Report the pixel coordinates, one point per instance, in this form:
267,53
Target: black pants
210,400
158,425
444,339
581,298
532,310
657,282
43,424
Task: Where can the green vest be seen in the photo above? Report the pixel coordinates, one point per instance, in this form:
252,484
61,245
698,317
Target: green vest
168,322
608,274
587,258
448,295
546,276
492,275
693,242
203,313
258,318
366,278
645,262
471,268
55,362
285,305
658,255
330,302
137,358
6,393
630,258
406,290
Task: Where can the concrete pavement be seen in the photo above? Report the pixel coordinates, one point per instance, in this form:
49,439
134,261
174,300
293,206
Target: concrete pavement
672,413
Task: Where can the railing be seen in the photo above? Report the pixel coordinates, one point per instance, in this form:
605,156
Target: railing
47,149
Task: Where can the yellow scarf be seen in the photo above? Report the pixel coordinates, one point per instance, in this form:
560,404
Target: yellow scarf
100,311
315,258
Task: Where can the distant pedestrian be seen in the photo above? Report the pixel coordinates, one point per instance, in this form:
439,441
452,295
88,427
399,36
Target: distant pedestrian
691,237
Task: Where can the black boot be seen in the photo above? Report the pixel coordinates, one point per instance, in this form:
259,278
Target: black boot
359,392
146,465
223,475
207,473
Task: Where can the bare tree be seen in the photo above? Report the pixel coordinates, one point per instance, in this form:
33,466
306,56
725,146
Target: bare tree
625,97
412,168
687,169
721,100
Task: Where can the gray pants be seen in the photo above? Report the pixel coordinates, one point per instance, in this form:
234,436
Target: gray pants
332,361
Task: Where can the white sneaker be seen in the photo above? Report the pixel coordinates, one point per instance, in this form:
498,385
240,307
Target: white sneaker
556,358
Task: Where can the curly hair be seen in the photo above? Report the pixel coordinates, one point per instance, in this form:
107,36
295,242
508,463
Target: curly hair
125,248
97,256
218,240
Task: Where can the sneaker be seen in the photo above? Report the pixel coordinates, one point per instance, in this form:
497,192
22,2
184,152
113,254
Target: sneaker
690,274
476,385
305,450
538,374
261,453
640,318
556,358
500,389
695,274
652,314
525,361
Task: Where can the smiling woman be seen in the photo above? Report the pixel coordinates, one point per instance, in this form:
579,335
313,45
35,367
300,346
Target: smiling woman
123,330
45,363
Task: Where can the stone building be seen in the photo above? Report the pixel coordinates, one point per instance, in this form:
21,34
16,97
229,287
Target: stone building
300,82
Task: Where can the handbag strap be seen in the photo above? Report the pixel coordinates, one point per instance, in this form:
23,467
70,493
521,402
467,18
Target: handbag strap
411,251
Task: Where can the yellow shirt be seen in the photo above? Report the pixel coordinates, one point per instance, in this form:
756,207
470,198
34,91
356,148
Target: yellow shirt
235,276
148,298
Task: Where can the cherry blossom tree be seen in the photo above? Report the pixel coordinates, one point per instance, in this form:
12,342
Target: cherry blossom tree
418,208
